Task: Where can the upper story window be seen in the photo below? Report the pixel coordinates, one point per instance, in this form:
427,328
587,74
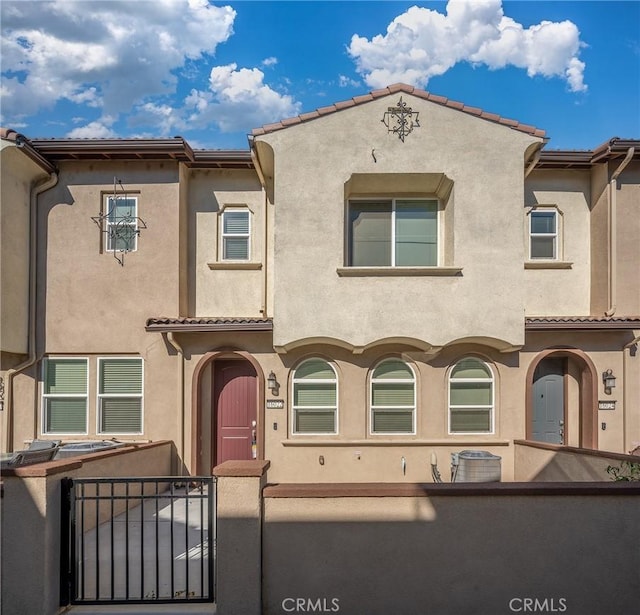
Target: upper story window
120,395
393,233
471,397
122,223
315,398
64,398
543,234
393,398
236,234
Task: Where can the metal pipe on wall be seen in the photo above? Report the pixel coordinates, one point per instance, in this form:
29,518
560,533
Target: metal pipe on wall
36,190
613,233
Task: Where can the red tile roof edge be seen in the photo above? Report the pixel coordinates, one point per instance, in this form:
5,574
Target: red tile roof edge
395,89
582,322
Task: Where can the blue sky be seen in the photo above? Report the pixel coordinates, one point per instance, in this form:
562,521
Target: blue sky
212,71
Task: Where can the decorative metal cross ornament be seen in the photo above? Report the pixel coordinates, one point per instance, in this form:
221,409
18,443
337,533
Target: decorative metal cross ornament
400,120
119,223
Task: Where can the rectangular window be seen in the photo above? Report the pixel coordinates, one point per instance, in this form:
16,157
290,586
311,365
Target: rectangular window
543,225
236,233
122,223
395,233
65,396
120,395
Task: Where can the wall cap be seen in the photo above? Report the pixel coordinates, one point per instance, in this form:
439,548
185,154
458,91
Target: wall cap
561,448
253,468
389,490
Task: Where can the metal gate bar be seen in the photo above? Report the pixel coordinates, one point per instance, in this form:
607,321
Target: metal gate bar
160,529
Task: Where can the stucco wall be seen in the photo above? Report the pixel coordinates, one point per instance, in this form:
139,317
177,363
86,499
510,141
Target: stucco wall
447,552
91,306
219,288
561,292
313,162
19,174
541,462
628,244
31,521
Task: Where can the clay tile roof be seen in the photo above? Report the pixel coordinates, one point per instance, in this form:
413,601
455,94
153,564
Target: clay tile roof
582,322
395,89
209,324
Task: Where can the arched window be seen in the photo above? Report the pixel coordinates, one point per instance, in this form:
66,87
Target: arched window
393,398
471,398
315,398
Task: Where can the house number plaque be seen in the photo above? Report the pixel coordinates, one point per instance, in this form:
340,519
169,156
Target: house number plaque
606,405
275,404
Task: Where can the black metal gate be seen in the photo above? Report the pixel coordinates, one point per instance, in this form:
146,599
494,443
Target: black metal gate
137,540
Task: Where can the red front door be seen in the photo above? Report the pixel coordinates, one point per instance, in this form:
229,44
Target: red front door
235,384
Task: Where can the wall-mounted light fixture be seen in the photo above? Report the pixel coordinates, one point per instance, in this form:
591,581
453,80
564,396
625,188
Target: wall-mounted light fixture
609,381
272,383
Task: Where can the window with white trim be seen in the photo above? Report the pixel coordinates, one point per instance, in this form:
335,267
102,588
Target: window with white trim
64,397
122,223
120,395
471,397
543,234
315,398
393,398
393,233
236,235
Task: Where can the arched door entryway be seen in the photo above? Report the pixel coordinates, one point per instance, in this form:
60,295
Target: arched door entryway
227,387
561,399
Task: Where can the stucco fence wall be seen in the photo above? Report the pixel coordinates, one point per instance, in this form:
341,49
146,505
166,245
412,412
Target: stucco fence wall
425,548
542,462
31,517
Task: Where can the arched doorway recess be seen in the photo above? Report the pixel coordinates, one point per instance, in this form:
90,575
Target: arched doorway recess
549,374
226,420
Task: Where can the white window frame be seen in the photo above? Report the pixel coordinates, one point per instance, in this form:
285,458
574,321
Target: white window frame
492,407
109,224
392,201
100,396
294,408
556,236
45,396
224,236
414,408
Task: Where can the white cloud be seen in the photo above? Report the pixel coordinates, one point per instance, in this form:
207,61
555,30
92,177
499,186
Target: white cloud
345,82
99,129
114,54
238,99
272,61
422,43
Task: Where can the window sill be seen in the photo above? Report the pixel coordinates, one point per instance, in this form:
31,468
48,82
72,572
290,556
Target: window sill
359,272
231,265
379,441
542,264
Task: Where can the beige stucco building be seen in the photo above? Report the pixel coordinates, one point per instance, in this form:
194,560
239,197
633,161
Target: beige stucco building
385,278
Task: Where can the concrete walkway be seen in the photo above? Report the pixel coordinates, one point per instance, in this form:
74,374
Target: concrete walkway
143,609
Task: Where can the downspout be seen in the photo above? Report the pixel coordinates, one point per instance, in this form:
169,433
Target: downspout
265,251
613,233
625,350
265,279
171,339
37,189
